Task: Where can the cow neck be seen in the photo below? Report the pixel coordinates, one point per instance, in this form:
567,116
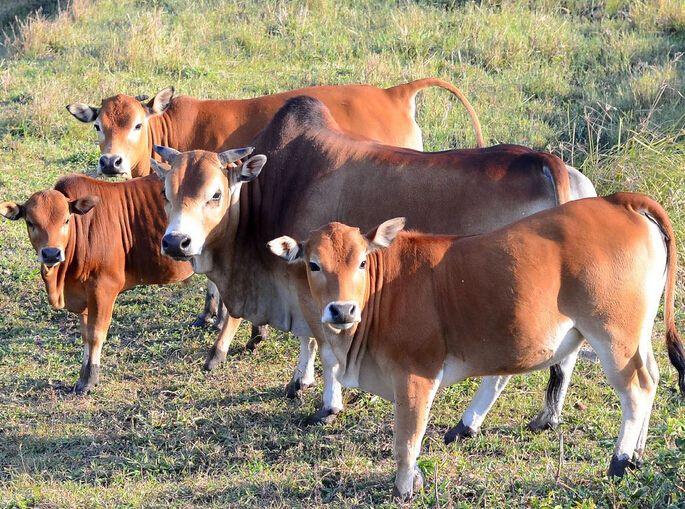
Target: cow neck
160,129
55,278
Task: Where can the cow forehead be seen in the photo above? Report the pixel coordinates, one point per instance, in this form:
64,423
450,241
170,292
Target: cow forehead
196,173
47,207
121,110
337,243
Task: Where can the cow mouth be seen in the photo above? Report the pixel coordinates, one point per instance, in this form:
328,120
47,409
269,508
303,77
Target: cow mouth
340,327
180,258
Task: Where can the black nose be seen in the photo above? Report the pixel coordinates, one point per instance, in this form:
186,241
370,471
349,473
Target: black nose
343,312
51,254
111,164
176,245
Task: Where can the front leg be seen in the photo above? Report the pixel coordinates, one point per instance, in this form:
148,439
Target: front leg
332,389
96,325
304,373
212,306
219,351
413,399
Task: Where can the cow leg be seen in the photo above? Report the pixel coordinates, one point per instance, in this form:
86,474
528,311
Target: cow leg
257,335
653,370
472,419
212,306
218,352
413,399
332,389
633,382
557,387
100,307
304,373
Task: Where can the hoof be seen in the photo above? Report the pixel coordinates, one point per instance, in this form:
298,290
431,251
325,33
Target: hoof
294,389
618,466
417,485
258,335
202,320
214,359
323,416
459,432
218,325
88,379
543,422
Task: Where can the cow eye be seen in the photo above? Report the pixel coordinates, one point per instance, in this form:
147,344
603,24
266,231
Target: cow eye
362,265
163,193
29,224
67,221
138,127
97,127
217,196
314,267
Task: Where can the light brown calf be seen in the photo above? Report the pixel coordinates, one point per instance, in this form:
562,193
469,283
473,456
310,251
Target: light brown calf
430,311
95,240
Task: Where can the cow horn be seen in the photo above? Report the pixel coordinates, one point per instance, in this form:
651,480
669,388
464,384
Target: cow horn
167,153
234,154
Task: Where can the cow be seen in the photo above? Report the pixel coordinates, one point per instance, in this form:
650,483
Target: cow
405,314
127,127
317,174
94,240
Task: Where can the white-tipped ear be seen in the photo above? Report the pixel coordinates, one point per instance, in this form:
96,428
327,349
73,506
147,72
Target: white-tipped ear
252,167
11,210
229,156
83,112
160,169
161,101
385,233
167,153
286,248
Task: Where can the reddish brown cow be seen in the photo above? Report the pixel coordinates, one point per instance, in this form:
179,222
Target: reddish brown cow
128,128
316,174
430,311
95,240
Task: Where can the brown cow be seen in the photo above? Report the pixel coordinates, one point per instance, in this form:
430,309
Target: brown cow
317,174
127,129
88,257
430,311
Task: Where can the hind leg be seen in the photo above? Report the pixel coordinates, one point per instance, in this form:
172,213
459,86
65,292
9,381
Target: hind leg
626,368
557,386
653,370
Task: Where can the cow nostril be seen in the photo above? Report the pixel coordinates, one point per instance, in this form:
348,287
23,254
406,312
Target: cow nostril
353,308
165,244
103,161
185,243
117,162
334,311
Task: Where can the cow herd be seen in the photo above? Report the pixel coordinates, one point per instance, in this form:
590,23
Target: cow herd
293,205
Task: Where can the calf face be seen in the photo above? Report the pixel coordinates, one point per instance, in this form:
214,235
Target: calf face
336,259
48,215
121,124
199,189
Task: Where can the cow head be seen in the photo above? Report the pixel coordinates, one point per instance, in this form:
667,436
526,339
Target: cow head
336,258
121,124
200,189
48,216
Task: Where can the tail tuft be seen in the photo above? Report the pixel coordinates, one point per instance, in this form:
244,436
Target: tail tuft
676,354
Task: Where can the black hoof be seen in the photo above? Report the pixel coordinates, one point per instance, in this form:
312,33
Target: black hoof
323,416
459,432
258,335
542,422
618,466
89,377
214,359
294,389
203,320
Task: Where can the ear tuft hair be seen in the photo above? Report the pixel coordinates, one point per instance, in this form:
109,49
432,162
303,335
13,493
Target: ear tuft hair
385,233
83,112
83,205
12,211
286,247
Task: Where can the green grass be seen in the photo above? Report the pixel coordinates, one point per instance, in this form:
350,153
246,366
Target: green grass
599,83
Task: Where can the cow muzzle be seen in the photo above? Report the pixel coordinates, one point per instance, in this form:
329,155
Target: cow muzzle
341,315
51,256
177,246
113,165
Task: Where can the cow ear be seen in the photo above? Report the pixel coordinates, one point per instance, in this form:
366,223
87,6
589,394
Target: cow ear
83,112
286,248
251,168
167,153
230,156
11,210
385,233
161,101
142,97
82,205
160,169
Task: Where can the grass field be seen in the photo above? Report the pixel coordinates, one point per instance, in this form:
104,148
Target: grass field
599,83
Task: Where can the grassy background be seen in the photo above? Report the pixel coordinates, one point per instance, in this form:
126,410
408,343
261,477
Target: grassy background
599,83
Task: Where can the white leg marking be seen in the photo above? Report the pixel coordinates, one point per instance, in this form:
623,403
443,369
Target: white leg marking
332,388
488,392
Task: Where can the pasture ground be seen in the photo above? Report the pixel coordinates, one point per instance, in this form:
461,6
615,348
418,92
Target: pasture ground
599,83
